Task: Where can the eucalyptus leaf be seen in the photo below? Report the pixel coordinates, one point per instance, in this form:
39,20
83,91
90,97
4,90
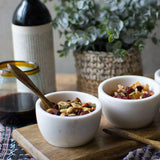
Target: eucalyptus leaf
105,25
130,36
63,20
80,4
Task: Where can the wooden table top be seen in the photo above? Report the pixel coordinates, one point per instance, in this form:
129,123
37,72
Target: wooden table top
66,82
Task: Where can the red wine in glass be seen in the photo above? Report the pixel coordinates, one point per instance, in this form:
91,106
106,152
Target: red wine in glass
18,109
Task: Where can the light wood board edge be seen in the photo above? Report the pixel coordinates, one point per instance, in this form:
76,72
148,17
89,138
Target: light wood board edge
27,147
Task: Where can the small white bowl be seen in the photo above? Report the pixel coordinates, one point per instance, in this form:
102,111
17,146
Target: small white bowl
68,131
132,113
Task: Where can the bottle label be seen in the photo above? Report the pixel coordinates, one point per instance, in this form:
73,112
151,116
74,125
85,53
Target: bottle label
35,43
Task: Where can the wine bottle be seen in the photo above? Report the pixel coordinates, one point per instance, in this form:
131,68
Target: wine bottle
32,35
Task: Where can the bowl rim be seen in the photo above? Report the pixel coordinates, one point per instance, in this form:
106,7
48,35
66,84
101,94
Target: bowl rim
100,88
96,111
157,74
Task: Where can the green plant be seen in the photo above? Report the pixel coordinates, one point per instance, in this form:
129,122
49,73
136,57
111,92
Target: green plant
108,25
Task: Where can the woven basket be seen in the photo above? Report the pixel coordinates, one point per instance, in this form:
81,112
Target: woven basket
94,67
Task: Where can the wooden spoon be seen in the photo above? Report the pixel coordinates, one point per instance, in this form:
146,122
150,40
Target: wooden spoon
129,135
20,75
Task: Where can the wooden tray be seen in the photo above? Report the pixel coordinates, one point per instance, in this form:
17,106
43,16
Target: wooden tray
103,146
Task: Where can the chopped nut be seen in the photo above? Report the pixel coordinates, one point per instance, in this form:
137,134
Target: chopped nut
135,91
70,110
62,114
144,92
138,83
137,95
86,109
50,110
120,88
146,87
62,105
85,104
76,105
72,114
63,110
77,99
84,112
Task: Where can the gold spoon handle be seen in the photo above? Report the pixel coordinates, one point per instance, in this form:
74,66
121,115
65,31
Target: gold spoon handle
20,75
133,136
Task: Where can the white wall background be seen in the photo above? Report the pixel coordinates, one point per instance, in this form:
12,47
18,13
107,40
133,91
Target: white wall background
150,55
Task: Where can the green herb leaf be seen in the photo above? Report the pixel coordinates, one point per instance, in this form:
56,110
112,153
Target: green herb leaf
109,25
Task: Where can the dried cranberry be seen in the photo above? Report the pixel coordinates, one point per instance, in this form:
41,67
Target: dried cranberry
150,93
128,97
139,88
113,94
119,96
146,95
129,90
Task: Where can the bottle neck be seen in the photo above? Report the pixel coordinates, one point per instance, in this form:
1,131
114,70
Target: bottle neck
31,13
31,0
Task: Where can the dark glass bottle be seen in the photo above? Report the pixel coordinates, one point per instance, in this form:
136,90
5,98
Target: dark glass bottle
32,35
31,13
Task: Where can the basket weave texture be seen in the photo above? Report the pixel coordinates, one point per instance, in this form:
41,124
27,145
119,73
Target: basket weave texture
94,67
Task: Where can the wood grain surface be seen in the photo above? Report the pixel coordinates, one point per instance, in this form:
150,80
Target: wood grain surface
66,82
102,147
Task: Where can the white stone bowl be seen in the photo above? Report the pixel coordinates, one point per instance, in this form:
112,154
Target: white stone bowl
68,131
135,113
